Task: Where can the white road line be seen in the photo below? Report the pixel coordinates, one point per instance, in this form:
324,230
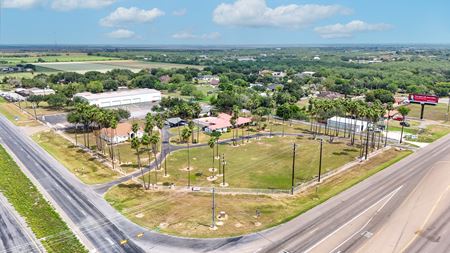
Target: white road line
389,196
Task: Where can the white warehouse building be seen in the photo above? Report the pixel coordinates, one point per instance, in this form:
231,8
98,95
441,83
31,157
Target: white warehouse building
121,97
347,123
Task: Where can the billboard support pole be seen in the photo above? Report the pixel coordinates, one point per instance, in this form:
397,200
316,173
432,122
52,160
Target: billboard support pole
422,110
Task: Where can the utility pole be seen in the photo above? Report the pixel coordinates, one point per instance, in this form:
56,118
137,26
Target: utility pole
367,141
448,106
34,108
223,170
387,130
165,163
293,169
213,224
320,160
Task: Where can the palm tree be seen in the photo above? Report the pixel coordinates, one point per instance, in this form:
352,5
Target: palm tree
404,111
154,140
113,126
149,123
185,135
211,144
136,144
191,127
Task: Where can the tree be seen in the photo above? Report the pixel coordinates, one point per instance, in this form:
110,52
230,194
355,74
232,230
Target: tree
95,86
56,100
211,144
74,118
185,135
37,99
154,140
404,111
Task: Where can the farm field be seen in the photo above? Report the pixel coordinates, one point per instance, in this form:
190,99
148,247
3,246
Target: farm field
189,214
105,66
62,57
262,164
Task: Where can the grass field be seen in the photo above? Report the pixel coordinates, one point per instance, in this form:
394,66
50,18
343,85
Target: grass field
81,164
263,164
438,112
15,115
189,214
68,57
43,220
107,65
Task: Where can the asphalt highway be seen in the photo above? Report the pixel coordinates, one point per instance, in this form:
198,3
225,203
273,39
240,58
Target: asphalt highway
14,235
102,234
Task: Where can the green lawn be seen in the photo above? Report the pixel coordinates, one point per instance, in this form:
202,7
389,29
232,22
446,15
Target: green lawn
438,112
189,214
81,164
264,163
43,220
15,115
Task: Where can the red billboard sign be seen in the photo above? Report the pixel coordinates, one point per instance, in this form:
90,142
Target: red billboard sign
423,99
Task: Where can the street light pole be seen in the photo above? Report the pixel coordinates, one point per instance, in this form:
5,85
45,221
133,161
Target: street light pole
213,224
293,169
223,169
320,159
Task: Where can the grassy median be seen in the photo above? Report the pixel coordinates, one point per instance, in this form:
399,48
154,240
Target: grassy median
45,223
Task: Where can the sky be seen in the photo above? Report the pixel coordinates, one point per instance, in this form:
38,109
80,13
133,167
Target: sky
223,22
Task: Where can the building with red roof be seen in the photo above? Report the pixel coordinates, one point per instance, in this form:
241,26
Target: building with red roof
221,123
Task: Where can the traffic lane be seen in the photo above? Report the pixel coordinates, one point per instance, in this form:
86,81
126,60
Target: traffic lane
73,202
328,216
401,227
14,236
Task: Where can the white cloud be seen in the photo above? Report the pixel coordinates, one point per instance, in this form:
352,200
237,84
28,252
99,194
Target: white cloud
121,34
185,35
180,12
65,5
130,15
20,4
347,30
256,13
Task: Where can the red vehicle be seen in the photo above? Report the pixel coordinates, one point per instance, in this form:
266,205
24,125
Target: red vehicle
423,99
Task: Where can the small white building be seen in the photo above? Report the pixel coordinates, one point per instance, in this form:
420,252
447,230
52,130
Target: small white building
279,74
347,123
122,133
40,92
121,97
207,79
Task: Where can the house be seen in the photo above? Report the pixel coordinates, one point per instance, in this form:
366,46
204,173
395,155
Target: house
305,74
122,133
164,79
329,95
279,74
205,110
346,123
257,85
316,58
120,97
174,122
40,92
221,123
207,79
272,87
